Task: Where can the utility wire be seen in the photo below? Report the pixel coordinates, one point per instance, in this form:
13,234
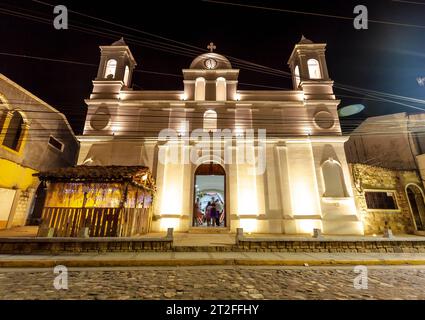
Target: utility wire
391,23
409,2
271,71
252,66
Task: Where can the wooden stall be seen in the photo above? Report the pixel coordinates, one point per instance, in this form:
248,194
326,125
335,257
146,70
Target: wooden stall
98,201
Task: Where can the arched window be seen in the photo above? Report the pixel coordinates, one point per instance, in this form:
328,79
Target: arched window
417,205
126,75
220,89
314,69
334,179
297,76
210,121
200,89
14,131
111,68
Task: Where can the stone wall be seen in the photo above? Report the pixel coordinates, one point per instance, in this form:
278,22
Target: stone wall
332,246
366,177
80,245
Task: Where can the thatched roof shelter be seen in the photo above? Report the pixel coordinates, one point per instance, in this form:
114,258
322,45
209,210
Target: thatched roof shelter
139,176
106,201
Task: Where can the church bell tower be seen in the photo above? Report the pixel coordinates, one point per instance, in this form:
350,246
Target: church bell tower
115,70
309,70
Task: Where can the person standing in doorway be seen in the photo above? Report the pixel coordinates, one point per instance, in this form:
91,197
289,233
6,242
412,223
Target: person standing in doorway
208,213
213,214
197,215
219,209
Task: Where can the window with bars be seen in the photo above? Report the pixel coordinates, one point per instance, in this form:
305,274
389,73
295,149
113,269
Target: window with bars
381,200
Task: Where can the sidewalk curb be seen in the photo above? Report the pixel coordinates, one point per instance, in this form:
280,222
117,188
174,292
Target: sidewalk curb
79,263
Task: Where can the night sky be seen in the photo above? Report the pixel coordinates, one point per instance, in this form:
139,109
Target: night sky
385,57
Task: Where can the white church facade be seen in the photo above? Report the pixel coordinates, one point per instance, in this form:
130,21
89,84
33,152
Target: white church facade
299,180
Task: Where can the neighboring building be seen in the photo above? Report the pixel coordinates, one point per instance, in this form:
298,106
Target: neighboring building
391,141
386,155
389,198
306,180
33,137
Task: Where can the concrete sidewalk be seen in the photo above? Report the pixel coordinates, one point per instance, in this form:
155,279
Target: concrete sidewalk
210,258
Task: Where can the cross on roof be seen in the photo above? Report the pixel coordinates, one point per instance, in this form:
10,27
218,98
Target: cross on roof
211,47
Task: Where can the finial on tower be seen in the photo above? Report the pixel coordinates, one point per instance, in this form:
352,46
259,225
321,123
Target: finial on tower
120,42
211,47
304,40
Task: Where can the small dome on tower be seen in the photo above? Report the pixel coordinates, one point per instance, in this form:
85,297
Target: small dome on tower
210,61
119,42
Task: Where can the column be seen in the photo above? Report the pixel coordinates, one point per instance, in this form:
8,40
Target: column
305,201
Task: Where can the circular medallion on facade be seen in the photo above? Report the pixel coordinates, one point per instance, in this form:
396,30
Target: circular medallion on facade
324,120
100,119
210,63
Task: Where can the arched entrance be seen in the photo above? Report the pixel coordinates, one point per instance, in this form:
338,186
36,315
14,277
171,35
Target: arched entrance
417,205
210,196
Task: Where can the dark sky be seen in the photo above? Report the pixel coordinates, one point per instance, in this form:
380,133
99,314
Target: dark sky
385,57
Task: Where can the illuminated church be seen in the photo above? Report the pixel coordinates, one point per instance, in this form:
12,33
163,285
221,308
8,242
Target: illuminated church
298,180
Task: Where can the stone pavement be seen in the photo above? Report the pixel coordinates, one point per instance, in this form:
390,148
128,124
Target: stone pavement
211,258
223,282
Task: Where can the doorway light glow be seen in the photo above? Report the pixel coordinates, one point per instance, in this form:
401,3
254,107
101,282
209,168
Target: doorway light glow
249,225
169,223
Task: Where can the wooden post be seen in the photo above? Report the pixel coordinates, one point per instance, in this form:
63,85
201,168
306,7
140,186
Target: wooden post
135,214
124,196
121,211
144,212
83,231
137,196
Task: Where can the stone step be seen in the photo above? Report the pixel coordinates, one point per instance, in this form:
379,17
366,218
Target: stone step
209,230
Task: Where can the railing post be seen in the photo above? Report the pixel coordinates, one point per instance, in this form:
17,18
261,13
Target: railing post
84,231
239,235
317,233
44,230
169,235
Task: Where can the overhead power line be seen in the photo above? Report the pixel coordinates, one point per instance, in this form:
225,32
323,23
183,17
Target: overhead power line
323,15
237,62
122,26
410,2
375,95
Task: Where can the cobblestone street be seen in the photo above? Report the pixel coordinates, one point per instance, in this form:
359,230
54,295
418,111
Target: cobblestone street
215,283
